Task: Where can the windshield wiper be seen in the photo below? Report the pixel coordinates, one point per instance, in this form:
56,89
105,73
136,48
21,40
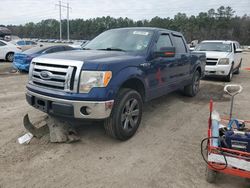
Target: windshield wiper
112,49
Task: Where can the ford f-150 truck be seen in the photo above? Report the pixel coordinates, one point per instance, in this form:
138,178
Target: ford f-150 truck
223,58
113,76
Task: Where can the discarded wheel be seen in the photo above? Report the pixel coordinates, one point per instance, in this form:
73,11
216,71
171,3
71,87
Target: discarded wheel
210,175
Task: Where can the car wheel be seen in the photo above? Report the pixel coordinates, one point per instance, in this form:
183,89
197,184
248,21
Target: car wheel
210,175
192,89
126,115
230,75
10,56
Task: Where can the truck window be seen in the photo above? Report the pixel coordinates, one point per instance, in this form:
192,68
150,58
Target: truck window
179,44
163,41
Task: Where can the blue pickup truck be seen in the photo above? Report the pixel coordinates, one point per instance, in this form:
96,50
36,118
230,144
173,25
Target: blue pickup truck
113,76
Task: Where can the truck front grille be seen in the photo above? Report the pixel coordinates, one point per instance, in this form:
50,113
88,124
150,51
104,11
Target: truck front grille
211,61
59,76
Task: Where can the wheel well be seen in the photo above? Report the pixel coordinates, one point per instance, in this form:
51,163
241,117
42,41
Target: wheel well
135,84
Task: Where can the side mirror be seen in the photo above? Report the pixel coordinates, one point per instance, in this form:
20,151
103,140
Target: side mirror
238,50
165,52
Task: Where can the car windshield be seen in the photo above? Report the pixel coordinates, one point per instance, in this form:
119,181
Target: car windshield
214,46
132,40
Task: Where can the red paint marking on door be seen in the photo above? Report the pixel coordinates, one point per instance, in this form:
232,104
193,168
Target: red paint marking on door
158,75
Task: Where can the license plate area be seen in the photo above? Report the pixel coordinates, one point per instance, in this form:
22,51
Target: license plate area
41,104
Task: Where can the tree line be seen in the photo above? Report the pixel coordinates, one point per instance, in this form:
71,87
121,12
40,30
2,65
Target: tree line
213,24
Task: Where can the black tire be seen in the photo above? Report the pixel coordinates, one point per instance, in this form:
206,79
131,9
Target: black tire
192,89
229,77
9,57
238,69
126,115
210,175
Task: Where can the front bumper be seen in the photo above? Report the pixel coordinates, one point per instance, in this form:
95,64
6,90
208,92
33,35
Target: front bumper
70,108
217,70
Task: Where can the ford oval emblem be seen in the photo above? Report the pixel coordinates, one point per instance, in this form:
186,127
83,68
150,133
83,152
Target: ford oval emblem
45,74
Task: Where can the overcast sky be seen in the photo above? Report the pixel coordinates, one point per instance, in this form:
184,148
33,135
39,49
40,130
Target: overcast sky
23,11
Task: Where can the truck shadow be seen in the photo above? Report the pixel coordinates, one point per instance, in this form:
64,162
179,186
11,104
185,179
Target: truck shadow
208,90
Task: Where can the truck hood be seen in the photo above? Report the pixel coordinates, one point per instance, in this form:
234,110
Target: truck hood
87,55
214,54
95,59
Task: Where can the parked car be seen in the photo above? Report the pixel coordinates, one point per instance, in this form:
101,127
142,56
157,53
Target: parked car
109,80
7,50
58,41
25,44
22,60
79,44
223,57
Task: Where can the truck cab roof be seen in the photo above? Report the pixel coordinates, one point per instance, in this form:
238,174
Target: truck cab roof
149,29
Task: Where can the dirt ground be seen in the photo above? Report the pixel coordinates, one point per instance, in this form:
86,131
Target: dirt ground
165,152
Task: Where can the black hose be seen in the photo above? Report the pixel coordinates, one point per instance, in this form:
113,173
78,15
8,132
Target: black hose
221,152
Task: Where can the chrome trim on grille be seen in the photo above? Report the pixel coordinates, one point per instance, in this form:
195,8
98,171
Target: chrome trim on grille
62,75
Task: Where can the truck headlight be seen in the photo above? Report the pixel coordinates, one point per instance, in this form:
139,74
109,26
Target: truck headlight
223,61
91,79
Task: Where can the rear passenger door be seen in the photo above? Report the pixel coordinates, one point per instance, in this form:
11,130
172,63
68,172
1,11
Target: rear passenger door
182,65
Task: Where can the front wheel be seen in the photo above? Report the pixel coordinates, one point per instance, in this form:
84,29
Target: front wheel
126,115
192,89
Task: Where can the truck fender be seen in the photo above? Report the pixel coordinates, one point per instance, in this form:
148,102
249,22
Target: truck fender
126,74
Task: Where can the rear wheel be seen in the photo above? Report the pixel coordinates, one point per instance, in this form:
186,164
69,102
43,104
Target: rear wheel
192,89
126,115
10,56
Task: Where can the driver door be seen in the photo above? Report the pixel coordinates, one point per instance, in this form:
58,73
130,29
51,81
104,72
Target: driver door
159,74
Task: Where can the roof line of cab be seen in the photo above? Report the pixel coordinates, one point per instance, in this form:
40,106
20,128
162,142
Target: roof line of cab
150,28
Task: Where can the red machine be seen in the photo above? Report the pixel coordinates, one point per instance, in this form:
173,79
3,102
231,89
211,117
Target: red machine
221,159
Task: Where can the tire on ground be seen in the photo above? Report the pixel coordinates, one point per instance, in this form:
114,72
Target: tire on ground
210,175
115,124
192,89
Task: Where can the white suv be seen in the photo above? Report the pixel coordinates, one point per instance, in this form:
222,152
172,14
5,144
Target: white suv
223,57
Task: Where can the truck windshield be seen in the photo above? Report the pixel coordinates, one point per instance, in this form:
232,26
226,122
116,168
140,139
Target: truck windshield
121,40
214,46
